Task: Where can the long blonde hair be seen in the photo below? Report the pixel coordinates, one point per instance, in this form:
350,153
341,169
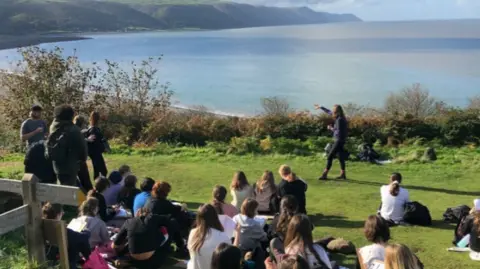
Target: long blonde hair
399,256
267,180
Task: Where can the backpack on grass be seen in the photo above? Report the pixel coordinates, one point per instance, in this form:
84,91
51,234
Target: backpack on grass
455,214
417,214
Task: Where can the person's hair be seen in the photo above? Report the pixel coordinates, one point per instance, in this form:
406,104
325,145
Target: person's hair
79,121
293,262
288,209
64,113
51,211
476,220
207,218
376,230
147,184
239,181
130,182
267,180
299,233
161,189
219,194
286,172
124,169
249,207
399,256
396,179
338,111
226,256
94,118
89,207
101,184
142,212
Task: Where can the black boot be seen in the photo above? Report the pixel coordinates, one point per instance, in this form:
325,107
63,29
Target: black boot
342,175
324,175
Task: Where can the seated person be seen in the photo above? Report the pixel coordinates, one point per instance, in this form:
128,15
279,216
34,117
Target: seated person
101,184
240,189
159,204
127,194
465,225
77,242
377,232
142,198
226,256
116,184
299,240
293,185
251,234
279,225
475,238
143,239
394,199
400,256
287,262
219,195
204,239
88,221
263,191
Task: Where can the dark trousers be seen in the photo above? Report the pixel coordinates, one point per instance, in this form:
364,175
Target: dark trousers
99,166
156,261
68,180
84,177
337,150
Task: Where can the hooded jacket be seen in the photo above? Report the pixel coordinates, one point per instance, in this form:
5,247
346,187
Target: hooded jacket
77,148
251,233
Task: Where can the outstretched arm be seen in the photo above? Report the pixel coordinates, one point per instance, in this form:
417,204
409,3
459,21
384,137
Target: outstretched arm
324,109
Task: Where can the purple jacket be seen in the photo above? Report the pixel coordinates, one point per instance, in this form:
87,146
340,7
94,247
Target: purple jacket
340,127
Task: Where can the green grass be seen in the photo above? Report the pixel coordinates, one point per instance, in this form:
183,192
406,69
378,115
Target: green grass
337,208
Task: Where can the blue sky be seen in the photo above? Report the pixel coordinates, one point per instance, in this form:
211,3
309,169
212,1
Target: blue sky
388,9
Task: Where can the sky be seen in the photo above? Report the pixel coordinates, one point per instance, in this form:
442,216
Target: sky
388,10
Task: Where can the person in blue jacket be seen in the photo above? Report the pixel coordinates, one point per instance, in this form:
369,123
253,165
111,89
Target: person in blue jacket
340,129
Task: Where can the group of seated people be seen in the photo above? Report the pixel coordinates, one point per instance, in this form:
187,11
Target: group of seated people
225,235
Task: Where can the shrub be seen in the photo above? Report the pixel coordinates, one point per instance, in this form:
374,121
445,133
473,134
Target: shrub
244,145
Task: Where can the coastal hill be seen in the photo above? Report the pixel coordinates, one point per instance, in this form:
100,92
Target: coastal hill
19,17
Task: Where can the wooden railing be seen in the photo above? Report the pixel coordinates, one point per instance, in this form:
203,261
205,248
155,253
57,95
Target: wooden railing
30,215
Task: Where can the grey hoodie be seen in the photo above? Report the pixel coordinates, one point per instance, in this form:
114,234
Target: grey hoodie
251,233
94,225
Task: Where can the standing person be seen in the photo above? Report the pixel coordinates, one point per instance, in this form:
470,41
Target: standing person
340,129
96,145
240,189
293,185
263,191
83,173
66,146
141,199
33,129
204,239
399,256
394,199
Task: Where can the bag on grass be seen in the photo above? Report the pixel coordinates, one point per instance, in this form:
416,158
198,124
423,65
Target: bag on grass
455,214
95,261
417,214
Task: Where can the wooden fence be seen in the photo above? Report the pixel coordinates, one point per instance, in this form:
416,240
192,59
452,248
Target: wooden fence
30,215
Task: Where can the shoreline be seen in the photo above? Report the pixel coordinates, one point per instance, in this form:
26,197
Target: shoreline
15,42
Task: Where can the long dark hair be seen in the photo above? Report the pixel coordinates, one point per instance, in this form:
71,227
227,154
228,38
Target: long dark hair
219,195
239,181
288,209
207,218
94,118
299,233
101,184
338,111
226,256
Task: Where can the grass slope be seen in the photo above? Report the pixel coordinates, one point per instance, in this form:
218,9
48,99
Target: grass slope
337,208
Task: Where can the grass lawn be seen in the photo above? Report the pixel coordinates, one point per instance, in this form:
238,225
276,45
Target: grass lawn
338,208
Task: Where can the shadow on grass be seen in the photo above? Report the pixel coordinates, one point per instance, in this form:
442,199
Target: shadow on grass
411,187
442,225
320,220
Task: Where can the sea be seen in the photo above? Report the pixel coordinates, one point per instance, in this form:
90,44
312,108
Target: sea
230,71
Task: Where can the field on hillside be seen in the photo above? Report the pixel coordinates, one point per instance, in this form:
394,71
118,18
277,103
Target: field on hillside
338,208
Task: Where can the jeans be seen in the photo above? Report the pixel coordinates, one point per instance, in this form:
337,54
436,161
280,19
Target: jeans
339,150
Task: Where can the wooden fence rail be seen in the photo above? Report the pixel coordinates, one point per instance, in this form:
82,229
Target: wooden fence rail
30,215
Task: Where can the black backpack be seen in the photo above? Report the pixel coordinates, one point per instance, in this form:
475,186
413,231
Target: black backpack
57,148
455,214
417,214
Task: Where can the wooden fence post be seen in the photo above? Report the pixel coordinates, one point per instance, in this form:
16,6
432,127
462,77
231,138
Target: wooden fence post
33,229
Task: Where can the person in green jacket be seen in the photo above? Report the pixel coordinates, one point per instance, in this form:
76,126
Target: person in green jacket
66,145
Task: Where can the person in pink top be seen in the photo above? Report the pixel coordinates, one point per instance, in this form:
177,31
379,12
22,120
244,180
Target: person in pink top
222,208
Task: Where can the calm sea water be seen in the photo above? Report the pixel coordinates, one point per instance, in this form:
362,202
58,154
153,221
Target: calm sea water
229,71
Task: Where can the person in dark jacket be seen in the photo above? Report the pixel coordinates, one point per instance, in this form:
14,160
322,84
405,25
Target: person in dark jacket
475,237
67,141
96,146
339,129
101,184
127,194
77,242
293,185
83,173
38,164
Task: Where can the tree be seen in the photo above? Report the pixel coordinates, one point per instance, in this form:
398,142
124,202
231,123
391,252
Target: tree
413,101
275,106
474,102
